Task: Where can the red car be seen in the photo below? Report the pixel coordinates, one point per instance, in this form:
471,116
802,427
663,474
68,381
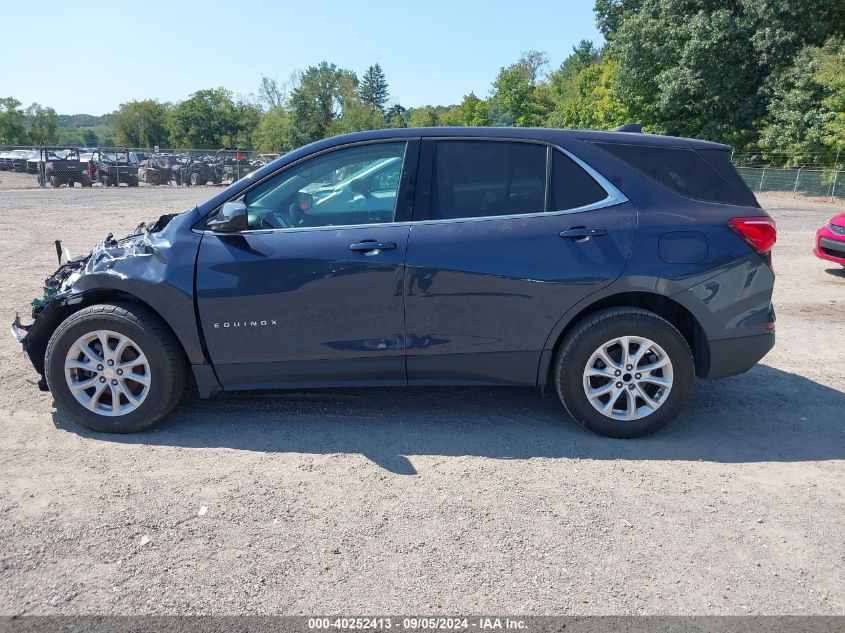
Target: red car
830,240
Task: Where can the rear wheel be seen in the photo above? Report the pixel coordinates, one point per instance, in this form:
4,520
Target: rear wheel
624,372
86,181
54,181
115,368
195,180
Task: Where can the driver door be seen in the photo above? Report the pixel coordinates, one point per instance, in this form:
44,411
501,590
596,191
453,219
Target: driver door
311,294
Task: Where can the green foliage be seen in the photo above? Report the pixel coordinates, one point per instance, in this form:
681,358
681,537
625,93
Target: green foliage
830,75
12,126
808,110
472,111
211,118
274,131
590,102
513,101
423,117
317,101
562,79
396,116
373,91
40,124
141,124
709,68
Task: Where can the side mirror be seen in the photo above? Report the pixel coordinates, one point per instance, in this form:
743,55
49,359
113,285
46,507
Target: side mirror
230,219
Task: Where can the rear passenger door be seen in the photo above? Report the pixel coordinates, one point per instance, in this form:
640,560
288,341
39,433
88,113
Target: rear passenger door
508,236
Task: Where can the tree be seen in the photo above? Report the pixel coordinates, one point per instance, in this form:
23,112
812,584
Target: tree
373,89
396,116
423,117
803,114
271,93
208,118
562,79
40,124
512,101
590,103
140,123
472,111
274,131
531,62
12,125
709,68
90,138
611,13
317,100
829,74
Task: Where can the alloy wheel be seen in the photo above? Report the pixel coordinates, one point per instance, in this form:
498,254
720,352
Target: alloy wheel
107,372
628,378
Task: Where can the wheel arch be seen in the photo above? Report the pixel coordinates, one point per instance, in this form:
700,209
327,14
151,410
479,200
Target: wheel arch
55,313
664,306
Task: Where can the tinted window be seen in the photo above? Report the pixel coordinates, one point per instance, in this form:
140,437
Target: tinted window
572,187
720,160
348,186
681,170
483,178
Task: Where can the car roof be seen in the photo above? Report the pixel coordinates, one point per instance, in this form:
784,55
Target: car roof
549,135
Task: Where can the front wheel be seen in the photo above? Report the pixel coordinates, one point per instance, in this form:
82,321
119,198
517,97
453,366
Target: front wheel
115,368
624,372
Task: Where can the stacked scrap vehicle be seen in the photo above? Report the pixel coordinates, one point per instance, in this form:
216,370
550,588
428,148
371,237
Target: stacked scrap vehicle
111,166
158,169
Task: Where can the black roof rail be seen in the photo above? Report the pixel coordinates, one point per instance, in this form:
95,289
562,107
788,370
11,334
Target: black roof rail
636,128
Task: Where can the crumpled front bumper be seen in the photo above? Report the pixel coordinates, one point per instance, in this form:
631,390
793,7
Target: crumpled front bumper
18,330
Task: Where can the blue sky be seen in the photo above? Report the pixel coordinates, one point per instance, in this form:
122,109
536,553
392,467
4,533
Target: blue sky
432,51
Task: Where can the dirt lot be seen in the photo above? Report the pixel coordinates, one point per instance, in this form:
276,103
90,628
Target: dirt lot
435,501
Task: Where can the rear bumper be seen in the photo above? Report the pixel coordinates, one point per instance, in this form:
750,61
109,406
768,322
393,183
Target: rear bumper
732,356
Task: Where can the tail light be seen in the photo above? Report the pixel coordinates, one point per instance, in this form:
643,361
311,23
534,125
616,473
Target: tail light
760,232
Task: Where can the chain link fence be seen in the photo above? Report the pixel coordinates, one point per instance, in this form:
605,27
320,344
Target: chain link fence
826,183
63,166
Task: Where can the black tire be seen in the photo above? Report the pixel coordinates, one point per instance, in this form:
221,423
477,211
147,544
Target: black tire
597,329
86,181
133,182
159,345
195,180
54,181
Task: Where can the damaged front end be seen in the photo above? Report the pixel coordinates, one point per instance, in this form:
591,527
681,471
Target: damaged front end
65,292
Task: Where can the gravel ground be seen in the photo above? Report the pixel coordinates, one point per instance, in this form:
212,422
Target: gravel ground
428,500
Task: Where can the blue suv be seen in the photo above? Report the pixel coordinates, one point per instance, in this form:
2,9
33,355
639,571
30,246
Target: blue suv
611,267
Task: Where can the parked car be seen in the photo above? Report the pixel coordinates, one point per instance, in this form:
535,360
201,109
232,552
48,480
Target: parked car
608,267
114,168
62,166
830,240
15,160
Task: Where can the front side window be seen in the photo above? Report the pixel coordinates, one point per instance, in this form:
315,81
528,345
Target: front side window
356,185
487,178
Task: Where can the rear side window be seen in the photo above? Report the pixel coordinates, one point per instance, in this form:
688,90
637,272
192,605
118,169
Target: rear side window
487,178
720,160
682,170
572,187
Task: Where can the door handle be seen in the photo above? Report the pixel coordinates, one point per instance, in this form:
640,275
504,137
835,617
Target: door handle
368,246
583,233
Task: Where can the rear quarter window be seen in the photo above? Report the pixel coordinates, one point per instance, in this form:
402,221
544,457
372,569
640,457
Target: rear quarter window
571,185
685,171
